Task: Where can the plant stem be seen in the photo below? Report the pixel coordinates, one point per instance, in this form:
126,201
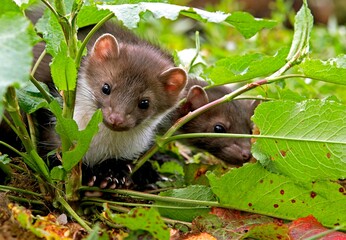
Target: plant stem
25,200
89,35
153,197
35,82
68,208
19,190
164,141
12,107
141,204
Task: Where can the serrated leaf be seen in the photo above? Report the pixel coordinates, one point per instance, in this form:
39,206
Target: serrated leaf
312,144
142,219
52,33
30,99
16,44
333,70
249,66
302,30
68,128
253,188
194,192
129,14
64,72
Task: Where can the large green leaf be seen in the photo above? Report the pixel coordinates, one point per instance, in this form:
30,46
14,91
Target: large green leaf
252,188
16,41
246,67
245,23
310,139
333,70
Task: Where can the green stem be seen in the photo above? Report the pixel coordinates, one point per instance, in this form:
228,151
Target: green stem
152,197
68,208
32,131
25,200
51,8
12,107
164,141
142,205
87,38
40,88
19,190
198,47
35,82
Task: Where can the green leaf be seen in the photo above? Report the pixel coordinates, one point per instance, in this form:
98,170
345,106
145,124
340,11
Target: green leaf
302,30
52,33
64,72
67,128
252,188
142,219
15,55
58,173
90,15
129,14
333,70
249,66
30,99
8,6
172,168
247,25
310,144
194,192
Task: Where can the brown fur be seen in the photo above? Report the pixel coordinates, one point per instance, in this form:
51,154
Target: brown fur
234,116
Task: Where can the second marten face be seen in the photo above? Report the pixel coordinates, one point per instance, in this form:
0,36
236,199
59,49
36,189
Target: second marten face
130,83
231,117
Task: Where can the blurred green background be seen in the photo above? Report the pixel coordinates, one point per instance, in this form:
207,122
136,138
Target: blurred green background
328,38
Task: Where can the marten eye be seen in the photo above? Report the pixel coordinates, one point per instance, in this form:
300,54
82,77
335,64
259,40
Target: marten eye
143,104
218,128
106,89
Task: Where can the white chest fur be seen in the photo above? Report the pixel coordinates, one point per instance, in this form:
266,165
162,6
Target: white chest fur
108,144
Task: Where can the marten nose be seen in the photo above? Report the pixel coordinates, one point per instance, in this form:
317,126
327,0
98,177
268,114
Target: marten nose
116,119
246,154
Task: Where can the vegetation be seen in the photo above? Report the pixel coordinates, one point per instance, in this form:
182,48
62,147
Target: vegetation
300,148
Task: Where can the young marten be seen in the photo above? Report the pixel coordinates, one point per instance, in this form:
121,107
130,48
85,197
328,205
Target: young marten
230,117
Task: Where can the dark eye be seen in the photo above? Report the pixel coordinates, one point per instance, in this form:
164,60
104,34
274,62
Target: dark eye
219,129
106,89
143,104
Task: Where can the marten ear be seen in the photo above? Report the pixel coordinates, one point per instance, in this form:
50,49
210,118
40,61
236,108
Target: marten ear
106,47
252,104
196,97
174,80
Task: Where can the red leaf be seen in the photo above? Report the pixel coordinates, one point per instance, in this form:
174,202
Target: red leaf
309,226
